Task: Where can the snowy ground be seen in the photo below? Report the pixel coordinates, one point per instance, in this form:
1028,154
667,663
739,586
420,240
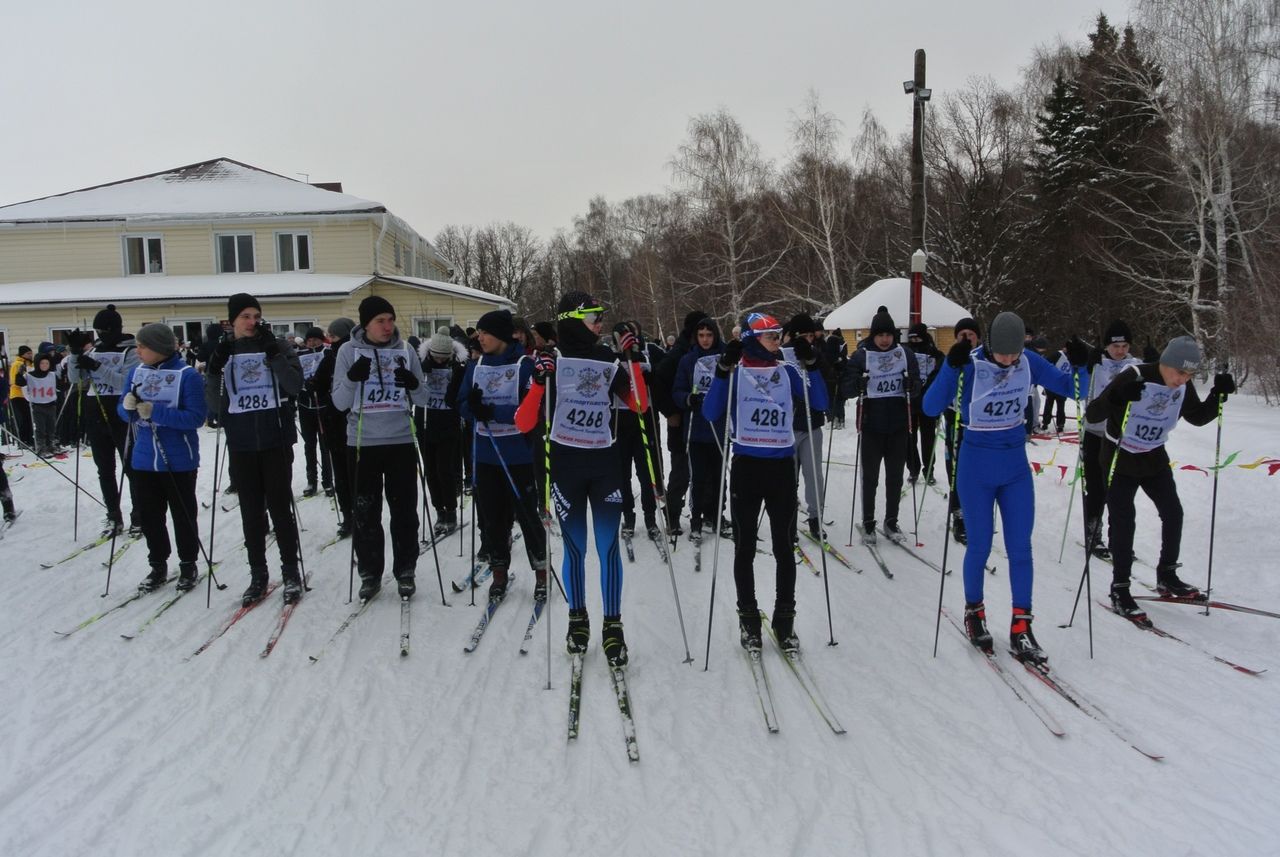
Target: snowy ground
116,747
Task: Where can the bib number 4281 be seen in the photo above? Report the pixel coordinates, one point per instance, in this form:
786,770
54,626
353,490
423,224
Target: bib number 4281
767,417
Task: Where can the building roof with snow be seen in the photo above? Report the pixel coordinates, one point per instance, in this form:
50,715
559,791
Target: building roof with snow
895,295
210,190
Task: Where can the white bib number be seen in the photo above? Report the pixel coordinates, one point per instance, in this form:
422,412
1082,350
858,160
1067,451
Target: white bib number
158,386
380,391
250,385
999,395
886,371
310,361
704,369
437,384
764,407
102,377
500,386
582,404
42,391
1152,418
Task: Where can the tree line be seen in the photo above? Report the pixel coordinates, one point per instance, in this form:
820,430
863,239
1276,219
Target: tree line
1134,176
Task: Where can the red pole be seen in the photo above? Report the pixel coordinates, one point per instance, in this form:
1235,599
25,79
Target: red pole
917,295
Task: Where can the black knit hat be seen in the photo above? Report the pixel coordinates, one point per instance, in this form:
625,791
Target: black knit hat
373,306
967,323
571,301
314,333
239,302
919,330
692,320
1117,331
108,319
883,323
498,323
546,330
803,323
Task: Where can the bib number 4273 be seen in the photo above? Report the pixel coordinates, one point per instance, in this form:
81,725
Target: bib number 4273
1001,407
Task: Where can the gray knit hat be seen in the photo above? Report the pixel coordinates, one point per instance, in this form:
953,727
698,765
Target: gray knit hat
441,343
340,328
159,338
1183,353
1007,334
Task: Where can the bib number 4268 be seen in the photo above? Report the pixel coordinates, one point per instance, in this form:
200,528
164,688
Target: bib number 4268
583,418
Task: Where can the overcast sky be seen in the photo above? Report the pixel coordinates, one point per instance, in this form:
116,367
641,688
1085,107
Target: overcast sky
469,112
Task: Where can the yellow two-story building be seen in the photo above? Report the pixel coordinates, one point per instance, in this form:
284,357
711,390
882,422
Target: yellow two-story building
173,246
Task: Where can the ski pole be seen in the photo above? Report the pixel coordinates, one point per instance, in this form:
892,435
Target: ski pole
422,482
117,526
475,512
660,501
546,511
946,537
355,494
724,477
1066,525
75,495
1213,514
80,488
213,504
857,461
911,439
813,474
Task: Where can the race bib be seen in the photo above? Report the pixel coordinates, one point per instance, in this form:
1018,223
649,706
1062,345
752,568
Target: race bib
1102,375
42,391
886,373
103,378
500,385
1152,418
999,395
925,363
380,391
310,361
704,369
436,382
764,408
582,406
249,384
159,386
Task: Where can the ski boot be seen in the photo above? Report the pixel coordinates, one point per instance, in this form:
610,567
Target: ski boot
1022,643
784,627
894,533
726,528
311,490
10,512
1122,602
445,524
292,585
540,586
629,528
186,576
1168,583
158,577
673,523
652,530
406,586
110,527
370,585
695,536
230,489
329,491
612,641
957,528
749,630
815,530
869,533
257,587
498,587
579,635
931,480
135,531
975,626
343,531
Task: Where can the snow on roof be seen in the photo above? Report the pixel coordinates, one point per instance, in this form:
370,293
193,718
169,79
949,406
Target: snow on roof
449,288
181,289
895,295
220,188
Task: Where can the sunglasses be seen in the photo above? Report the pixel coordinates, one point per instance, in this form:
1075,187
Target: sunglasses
588,315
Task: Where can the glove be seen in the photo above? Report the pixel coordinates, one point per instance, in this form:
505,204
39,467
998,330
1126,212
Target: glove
959,353
130,402
405,378
221,354
359,370
732,354
88,363
544,366
625,340
695,401
479,408
805,353
1077,352
270,345
1128,391
1223,385
144,409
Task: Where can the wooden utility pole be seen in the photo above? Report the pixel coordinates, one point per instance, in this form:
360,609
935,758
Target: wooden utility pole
917,187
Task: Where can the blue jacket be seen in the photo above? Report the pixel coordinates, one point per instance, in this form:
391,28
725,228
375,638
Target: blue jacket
942,395
702,431
168,441
514,448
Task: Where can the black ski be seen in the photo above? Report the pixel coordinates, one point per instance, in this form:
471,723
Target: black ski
486,617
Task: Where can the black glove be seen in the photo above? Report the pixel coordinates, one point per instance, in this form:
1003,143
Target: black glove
1077,352
270,345
732,354
405,377
805,352
221,354
695,401
88,363
359,370
1223,385
480,409
1127,391
544,366
959,353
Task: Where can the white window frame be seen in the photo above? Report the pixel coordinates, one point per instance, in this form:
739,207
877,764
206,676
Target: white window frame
296,326
144,237
217,251
4,346
436,321
51,330
203,321
311,250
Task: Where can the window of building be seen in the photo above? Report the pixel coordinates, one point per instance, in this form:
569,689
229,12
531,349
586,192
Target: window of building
143,254
425,326
293,251
4,342
60,335
235,254
292,328
190,331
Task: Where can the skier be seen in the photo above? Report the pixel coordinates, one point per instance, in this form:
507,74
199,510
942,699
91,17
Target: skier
309,357
837,354
376,378
677,422
1052,401
632,446
164,404
1104,365
6,493
808,427
996,381
924,428
248,381
440,429
768,394
99,368
333,421
953,433
706,440
493,387
1140,407
18,404
586,465
890,378
40,387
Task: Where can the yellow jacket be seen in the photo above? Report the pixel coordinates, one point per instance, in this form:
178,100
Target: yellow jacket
16,392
